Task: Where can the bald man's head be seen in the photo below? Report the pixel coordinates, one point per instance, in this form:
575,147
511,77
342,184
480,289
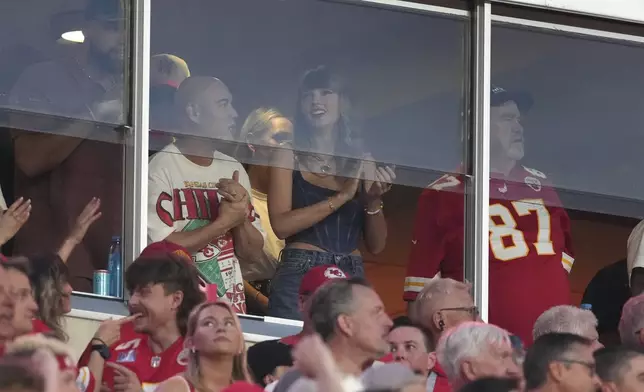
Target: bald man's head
204,104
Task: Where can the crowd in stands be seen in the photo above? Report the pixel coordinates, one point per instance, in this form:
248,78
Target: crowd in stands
275,217
178,338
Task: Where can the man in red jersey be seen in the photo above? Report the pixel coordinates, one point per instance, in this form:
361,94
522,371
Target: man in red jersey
530,242
164,289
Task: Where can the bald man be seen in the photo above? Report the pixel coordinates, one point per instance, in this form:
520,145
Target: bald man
198,196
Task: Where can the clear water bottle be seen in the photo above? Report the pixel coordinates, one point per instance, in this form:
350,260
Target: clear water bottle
115,268
587,307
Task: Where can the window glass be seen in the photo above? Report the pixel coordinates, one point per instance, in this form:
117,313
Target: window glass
564,132
62,108
328,92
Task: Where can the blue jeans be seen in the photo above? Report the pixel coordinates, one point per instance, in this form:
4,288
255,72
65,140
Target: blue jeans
283,300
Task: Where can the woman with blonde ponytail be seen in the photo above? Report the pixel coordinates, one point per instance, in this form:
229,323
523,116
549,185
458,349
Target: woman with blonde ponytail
217,360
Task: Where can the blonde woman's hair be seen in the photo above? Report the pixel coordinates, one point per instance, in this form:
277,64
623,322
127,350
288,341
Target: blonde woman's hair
258,122
240,365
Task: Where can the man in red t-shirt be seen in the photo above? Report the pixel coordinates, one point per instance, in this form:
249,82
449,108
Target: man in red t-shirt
530,242
147,348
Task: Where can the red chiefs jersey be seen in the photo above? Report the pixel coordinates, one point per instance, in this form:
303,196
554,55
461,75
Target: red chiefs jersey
530,246
39,327
133,351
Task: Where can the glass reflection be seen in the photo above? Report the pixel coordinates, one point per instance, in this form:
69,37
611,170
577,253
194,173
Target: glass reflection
64,155
333,115
199,196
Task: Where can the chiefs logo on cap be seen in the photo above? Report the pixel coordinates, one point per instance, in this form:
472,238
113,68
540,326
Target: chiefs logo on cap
334,273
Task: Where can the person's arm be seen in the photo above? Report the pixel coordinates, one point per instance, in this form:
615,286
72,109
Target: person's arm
375,227
95,366
12,220
378,181
108,333
284,219
249,242
249,236
160,228
88,216
314,358
252,294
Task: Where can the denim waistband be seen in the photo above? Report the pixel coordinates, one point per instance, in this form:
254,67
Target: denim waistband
315,258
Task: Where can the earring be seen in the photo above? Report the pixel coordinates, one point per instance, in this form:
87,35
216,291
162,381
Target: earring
441,324
192,350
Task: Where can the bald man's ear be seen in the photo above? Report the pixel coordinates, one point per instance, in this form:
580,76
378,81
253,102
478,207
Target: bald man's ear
192,112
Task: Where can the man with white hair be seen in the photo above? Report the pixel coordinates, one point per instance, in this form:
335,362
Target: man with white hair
474,350
568,319
632,322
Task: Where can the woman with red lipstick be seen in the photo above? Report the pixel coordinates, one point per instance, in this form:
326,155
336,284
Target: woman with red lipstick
217,356
325,194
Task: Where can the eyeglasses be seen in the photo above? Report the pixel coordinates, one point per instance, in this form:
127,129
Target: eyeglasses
472,310
588,365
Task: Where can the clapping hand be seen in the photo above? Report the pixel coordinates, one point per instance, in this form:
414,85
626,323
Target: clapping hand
12,220
378,180
89,215
234,202
231,190
313,358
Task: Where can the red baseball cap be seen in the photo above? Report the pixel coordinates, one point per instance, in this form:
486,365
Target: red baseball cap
167,247
164,247
317,276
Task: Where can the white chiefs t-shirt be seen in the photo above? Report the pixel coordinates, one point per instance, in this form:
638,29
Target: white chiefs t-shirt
182,196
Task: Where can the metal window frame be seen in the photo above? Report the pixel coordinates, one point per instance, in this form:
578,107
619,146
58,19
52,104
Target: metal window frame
478,204
508,21
409,5
634,12
137,138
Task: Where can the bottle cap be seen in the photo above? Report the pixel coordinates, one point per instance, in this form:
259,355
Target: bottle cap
116,238
587,306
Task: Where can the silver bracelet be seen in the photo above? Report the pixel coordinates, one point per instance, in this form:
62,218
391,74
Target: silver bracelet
376,212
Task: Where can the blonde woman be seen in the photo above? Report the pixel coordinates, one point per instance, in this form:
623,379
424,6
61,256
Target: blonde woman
217,356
